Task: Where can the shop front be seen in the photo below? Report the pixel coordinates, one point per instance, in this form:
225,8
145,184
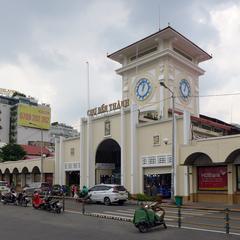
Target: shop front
212,183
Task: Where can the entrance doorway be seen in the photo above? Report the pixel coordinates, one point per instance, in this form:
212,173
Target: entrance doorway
72,177
155,184
108,162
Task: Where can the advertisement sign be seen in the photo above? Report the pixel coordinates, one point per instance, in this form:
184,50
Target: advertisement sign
34,116
212,178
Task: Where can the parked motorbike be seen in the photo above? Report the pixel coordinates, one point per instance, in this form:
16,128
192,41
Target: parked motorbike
46,203
9,198
23,199
148,216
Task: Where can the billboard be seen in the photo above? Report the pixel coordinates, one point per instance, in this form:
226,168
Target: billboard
34,116
212,178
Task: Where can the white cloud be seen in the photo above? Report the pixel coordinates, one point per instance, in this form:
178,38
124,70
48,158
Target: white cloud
225,64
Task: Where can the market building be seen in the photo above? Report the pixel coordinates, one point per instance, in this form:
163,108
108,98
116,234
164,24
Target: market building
130,141
135,141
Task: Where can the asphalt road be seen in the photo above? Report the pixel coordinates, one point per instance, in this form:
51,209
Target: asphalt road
191,218
27,223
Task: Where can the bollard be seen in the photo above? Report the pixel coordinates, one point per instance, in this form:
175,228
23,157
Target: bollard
179,217
63,201
227,219
83,206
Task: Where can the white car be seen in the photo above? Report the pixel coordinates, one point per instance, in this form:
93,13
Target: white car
4,187
41,187
108,193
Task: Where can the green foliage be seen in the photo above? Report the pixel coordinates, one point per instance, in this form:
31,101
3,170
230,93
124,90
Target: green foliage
12,152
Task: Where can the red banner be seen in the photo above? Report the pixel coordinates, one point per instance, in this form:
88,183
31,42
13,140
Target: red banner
212,178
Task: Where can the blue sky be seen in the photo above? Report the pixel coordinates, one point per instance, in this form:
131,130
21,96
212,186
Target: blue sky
45,45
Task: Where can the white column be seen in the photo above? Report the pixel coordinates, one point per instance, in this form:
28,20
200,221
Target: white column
82,137
90,160
175,158
134,165
186,141
123,150
61,163
56,160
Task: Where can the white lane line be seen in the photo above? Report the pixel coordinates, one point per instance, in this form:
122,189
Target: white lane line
125,214
127,211
183,213
205,230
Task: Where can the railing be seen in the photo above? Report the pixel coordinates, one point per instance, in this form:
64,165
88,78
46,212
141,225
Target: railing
221,220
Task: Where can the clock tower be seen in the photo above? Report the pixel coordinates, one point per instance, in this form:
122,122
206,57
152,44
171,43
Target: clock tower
165,56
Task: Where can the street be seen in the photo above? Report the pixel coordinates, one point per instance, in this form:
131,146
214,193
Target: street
204,219
27,223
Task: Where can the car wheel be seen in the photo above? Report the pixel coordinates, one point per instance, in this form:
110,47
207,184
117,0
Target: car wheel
142,227
107,201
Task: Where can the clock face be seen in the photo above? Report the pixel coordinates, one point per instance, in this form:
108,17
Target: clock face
143,89
185,89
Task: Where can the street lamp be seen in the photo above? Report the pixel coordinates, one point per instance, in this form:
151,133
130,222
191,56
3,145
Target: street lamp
173,175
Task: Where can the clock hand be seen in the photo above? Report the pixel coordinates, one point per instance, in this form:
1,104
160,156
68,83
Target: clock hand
143,86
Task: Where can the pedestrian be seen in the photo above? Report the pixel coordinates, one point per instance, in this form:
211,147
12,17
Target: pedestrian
73,190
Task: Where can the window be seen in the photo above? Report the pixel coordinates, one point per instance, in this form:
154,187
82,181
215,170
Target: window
156,140
238,177
72,151
107,128
141,54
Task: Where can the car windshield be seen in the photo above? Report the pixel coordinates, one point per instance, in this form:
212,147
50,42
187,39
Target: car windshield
120,188
45,185
35,185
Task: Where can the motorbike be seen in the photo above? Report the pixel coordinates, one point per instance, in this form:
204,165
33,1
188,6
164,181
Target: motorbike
9,198
23,199
46,203
147,217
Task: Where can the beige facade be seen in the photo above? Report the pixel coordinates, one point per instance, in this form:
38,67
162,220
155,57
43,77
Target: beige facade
134,145
22,172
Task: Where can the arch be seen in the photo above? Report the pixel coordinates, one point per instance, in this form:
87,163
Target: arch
25,170
36,170
7,171
15,171
233,157
108,162
198,159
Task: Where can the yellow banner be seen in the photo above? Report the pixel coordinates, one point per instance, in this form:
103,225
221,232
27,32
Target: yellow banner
34,116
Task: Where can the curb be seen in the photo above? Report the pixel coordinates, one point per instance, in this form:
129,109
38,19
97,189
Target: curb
99,215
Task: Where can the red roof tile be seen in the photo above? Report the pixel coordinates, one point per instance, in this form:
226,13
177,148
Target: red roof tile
35,150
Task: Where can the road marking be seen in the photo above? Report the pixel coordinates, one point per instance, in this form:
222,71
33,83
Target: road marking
169,225
124,213
205,230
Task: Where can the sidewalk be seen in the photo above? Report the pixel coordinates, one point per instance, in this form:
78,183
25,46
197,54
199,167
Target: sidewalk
168,202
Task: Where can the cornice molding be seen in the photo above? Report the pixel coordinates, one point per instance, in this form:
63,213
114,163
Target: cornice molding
156,55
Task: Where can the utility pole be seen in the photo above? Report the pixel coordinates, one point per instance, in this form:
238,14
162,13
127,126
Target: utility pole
173,174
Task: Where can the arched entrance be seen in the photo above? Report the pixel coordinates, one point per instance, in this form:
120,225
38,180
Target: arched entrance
36,174
108,162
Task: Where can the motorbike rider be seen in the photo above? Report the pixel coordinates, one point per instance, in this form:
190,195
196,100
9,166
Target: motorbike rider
157,208
13,195
84,192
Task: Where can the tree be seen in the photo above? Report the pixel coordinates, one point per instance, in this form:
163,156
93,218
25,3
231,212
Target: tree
12,152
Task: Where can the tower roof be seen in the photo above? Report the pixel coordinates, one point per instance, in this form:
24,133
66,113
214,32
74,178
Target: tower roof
179,41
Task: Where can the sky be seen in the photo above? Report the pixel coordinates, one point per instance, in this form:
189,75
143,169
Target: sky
44,47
